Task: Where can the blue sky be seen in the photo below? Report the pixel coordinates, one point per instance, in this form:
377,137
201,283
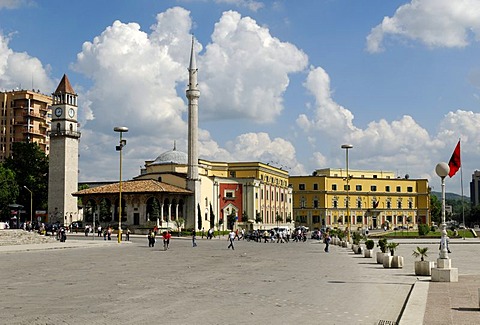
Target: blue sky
282,82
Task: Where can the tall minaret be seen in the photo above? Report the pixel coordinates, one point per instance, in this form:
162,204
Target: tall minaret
63,157
193,181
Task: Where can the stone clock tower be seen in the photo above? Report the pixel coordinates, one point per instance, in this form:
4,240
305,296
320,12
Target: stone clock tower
63,157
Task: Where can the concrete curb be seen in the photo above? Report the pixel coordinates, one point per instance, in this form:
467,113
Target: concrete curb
414,311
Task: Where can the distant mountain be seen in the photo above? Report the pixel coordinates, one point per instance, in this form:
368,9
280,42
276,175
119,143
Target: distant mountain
450,196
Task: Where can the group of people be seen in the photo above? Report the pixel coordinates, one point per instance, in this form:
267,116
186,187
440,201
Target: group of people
152,238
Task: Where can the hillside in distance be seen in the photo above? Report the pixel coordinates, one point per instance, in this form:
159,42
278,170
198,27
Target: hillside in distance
450,196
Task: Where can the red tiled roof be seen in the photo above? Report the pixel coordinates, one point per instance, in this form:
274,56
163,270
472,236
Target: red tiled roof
64,86
134,186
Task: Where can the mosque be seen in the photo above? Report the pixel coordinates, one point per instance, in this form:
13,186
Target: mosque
180,190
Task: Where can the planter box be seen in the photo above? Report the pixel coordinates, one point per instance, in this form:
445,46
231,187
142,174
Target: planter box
423,268
397,262
368,253
354,248
380,256
387,261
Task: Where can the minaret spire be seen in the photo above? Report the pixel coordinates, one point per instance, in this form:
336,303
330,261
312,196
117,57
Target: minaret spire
193,180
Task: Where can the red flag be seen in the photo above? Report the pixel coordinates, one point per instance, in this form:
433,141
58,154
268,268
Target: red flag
455,162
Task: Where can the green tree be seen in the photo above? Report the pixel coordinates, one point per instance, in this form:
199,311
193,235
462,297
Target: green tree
30,165
105,214
435,209
8,191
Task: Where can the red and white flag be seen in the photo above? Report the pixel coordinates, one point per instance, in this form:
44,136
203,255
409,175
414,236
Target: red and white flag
455,161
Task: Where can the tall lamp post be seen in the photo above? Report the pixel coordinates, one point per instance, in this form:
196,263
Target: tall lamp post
31,205
346,147
444,272
442,169
122,143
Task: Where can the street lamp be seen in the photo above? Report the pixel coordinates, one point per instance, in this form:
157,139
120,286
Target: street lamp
442,169
444,272
31,204
346,147
123,143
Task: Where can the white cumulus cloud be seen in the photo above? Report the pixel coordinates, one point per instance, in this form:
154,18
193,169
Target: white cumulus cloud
436,23
245,71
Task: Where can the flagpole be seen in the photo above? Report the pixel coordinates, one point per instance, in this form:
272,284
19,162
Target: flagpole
461,186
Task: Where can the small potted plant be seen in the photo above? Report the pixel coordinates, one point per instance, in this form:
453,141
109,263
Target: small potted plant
382,243
356,238
393,261
422,267
369,244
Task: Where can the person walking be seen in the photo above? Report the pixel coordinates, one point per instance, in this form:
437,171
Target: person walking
326,240
128,234
231,238
194,237
166,240
151,238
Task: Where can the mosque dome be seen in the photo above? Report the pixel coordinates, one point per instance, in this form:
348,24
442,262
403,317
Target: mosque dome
171,157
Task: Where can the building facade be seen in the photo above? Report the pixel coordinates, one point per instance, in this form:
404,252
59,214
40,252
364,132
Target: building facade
25,117
475,188
370,200
249,195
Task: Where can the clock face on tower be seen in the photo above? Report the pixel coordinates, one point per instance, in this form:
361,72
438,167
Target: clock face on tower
58,111
71,112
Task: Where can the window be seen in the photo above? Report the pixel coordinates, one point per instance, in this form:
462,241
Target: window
399,204
399,219
409,189
315,187
410,205
375,176
359,204
316,219
334,187
335,204
346,187
399,188
232,174
358,187
303,203
359,219
301,187
389,205
315,203
229,195
387,188
373,188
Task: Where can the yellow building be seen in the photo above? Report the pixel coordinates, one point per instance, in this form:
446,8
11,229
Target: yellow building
257,194
372,199
25,117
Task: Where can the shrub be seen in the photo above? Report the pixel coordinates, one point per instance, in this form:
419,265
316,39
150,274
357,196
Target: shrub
369,244
382,243
392,247
423,229
356,237
421,252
